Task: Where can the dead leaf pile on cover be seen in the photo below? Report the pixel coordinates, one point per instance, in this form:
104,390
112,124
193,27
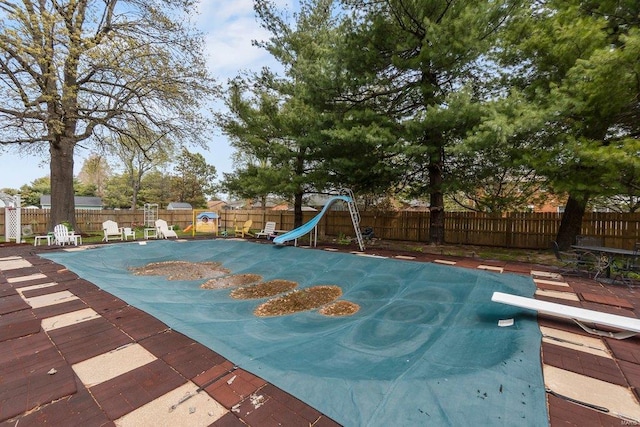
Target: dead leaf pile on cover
250,286
299,300
231,281
263,290
181,270
339,308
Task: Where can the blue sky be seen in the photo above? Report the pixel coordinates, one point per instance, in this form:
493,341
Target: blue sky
229,27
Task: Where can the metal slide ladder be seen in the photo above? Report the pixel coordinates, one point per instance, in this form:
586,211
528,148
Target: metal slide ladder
355,215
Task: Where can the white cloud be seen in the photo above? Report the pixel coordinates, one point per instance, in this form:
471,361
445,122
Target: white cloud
230,27
230,49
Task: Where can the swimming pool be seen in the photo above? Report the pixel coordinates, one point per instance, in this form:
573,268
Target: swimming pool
424,348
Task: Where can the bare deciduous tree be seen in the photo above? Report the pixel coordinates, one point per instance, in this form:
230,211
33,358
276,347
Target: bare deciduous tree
76,71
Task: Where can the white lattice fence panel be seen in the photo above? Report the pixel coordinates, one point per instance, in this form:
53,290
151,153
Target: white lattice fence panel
12,224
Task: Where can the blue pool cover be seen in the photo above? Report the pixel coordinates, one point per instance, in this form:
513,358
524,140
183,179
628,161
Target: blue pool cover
425,347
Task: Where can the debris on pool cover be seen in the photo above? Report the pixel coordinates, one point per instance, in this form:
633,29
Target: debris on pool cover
181,270
231,281
299,300
264,290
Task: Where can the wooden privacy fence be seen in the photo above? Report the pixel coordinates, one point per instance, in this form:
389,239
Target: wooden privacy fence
512,230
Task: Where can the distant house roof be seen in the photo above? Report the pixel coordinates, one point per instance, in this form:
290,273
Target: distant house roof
286,207
216,205
318,201
176,206
81,202
305,209
235,204
268,205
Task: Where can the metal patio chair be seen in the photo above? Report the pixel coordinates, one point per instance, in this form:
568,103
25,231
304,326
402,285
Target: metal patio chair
577,262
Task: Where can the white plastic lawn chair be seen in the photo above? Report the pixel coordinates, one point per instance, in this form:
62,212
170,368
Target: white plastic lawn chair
111,230
62,236
163,230
128,232
269,230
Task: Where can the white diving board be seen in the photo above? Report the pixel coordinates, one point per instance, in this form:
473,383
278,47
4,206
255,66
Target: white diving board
628,326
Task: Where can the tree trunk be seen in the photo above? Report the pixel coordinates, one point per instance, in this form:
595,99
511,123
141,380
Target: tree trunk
136,180
299,173
297,209
436,197
571,223
134,196
63,208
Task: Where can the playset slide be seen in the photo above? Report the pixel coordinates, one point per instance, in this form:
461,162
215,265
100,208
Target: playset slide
308,227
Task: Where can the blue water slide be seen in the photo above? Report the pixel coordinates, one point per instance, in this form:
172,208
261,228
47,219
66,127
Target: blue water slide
308,227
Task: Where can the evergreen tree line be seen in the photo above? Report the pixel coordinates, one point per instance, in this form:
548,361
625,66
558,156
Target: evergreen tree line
485,103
